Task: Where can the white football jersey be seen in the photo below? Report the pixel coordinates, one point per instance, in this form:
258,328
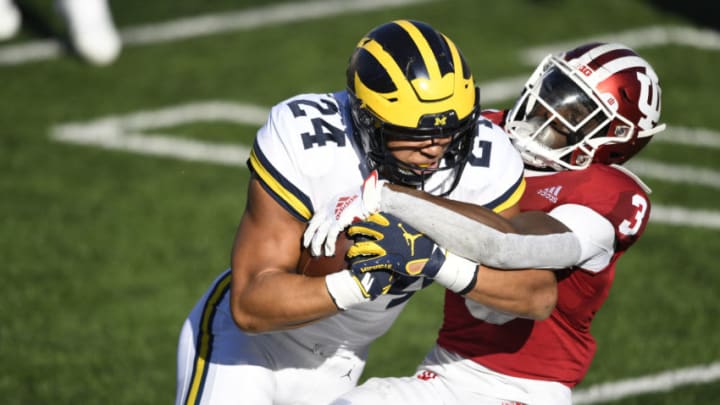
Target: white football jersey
307,153
304,156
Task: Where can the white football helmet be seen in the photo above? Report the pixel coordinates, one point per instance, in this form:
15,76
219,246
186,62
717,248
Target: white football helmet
596,103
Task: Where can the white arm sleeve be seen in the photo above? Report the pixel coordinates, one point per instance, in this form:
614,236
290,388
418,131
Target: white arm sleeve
594,232
480,243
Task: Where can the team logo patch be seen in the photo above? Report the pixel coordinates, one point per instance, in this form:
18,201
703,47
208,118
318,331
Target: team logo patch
551,193
343,202
426,375
410,238
584,69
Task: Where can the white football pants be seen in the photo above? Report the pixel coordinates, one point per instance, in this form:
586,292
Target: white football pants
219,364
446,378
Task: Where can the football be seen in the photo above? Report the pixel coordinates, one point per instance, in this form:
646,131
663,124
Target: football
318,266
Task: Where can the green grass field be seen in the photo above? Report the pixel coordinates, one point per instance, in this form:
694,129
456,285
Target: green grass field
104,251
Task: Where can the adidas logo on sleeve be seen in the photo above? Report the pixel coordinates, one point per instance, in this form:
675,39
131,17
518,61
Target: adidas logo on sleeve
551,193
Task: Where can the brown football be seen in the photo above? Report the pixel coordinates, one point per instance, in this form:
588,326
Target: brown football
318,266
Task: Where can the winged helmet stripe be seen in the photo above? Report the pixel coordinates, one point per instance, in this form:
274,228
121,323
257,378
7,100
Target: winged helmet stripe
427,54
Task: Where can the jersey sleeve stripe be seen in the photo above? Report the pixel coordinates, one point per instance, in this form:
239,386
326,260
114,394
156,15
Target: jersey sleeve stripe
284,192
509,197
205,340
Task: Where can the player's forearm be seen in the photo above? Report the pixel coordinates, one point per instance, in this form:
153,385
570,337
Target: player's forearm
396,200
279,301
528,293
479,234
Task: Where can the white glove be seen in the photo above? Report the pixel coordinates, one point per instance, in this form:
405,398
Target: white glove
352,287
342,210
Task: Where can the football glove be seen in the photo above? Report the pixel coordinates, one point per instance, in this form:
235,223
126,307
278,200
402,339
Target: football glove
352,287
345,208
384,242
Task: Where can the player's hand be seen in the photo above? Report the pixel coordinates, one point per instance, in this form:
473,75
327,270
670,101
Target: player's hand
353,205
384,242
352,287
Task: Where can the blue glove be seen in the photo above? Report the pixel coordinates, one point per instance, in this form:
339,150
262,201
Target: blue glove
373,284
383,242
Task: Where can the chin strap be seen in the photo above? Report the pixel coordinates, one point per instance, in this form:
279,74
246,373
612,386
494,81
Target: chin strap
652,131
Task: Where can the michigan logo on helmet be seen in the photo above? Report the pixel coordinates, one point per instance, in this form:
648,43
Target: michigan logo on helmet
408,81
598,102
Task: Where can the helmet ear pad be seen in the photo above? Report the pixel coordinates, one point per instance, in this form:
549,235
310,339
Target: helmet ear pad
619,153
364,117
366,133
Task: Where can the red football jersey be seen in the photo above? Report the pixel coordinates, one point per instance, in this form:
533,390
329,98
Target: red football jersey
561,347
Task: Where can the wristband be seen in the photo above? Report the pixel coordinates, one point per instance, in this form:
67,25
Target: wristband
457,274
344,289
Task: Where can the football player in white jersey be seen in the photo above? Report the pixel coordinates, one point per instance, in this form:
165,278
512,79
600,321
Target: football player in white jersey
264,334
582,113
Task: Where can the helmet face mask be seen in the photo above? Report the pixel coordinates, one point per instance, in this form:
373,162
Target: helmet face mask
596,103
376,134
406,81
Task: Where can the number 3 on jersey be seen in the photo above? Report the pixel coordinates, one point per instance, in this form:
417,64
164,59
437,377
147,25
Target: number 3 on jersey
631,226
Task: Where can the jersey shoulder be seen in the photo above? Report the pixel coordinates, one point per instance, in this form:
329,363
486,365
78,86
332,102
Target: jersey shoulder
304,127
304,152
606,190
603,183
493,149
497,117
628,208
493,174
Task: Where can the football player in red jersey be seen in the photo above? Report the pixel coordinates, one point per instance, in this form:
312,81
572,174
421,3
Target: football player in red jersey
524,336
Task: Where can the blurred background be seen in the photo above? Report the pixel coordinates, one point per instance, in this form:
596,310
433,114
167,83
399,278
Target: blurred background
122,180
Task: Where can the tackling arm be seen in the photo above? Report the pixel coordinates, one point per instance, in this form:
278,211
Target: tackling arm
528,292
528,241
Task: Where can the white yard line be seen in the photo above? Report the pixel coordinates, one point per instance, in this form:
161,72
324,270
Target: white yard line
638,38
671,215
125,132
675,173
252,18
208,24
700,137
664,381
508,88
